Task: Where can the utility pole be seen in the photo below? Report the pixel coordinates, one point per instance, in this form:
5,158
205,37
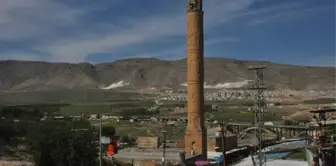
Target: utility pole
260,108
223,136
164,145
100,143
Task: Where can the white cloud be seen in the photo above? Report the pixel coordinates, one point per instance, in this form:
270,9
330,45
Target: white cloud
26,19
141,30
214,41
180,51
79,48
20,56
40,20
289,14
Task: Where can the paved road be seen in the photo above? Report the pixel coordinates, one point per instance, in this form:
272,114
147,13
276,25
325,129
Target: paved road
146,155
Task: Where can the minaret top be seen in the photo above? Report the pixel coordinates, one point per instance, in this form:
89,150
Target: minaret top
194,6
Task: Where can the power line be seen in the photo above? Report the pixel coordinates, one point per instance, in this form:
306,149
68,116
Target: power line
258,113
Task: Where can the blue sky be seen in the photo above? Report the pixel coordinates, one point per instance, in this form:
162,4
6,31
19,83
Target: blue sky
284,31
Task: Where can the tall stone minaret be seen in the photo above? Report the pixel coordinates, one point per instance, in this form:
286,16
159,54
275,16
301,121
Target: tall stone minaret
195,136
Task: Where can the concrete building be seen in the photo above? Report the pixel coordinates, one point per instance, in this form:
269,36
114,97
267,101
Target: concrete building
214,141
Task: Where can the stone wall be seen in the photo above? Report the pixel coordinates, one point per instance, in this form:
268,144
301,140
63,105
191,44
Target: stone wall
148,142
15,163
211,144
230,142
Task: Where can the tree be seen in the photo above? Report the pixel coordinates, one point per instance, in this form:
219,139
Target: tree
108,130
52,143
6,131
55,143
37,113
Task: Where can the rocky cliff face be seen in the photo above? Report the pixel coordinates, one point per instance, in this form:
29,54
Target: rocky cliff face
155,73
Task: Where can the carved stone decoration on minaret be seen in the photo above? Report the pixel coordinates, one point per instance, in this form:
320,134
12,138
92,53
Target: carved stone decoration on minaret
194,5
195,138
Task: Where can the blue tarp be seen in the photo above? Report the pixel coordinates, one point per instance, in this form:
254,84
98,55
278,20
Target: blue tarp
277,155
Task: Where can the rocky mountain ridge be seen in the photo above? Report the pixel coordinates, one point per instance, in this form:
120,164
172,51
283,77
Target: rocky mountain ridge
142,73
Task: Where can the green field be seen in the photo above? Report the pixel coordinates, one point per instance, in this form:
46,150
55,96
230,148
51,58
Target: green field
233,110
89,109
68,96
227,111
102,108
320,101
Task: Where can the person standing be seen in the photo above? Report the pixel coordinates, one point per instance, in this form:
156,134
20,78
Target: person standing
220,160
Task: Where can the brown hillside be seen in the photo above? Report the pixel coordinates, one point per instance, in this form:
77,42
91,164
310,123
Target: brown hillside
141,73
